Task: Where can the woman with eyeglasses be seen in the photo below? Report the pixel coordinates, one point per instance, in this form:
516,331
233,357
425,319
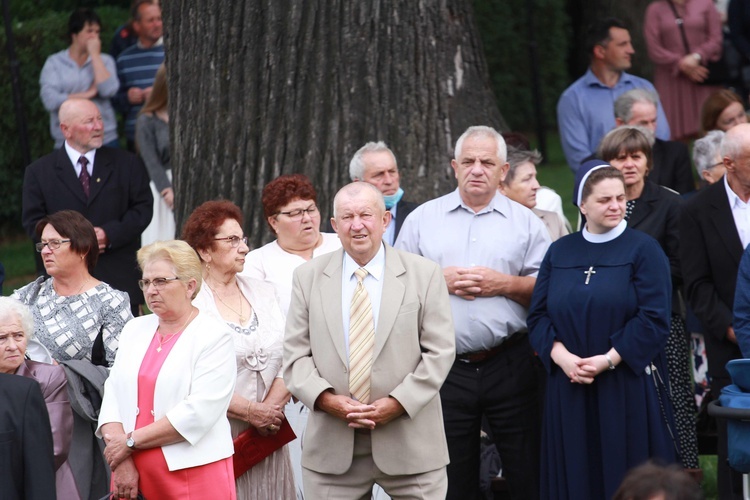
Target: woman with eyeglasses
76,316
289,204
250,309
163,416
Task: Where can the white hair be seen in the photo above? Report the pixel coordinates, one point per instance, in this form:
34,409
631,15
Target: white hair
357,166
482,131
624,104
10,307
705,150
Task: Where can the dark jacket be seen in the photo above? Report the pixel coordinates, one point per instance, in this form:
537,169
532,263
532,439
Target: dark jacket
710,256
120,202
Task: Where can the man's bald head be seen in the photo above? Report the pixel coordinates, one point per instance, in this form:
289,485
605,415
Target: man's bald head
736,140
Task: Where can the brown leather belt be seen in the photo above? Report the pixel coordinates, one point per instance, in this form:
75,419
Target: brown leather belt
479,356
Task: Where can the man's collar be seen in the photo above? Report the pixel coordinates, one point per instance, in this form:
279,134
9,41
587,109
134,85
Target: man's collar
497,203
734,199
74,154
158,43
591,80
374,267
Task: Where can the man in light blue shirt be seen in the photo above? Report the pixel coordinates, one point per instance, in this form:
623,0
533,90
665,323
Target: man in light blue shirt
490,249
585,111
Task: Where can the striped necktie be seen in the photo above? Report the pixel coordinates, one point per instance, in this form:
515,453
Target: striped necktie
361,340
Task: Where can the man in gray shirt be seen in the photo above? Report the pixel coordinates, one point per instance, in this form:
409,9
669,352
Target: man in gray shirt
490,249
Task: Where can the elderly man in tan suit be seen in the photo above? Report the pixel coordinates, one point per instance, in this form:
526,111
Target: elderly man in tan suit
369,342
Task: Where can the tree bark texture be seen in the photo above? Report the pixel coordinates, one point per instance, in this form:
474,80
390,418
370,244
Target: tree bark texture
261,88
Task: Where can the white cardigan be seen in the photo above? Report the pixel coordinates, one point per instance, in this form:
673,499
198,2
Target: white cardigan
193,389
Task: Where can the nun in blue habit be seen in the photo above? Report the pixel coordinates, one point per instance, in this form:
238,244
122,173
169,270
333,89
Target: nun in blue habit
599,320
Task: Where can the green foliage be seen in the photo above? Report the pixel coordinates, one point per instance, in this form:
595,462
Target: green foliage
504,28
35,40
23,10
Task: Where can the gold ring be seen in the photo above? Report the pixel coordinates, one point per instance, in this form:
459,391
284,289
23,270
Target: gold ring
272,427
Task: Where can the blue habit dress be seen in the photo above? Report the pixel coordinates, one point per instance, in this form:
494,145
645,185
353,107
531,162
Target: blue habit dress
594,433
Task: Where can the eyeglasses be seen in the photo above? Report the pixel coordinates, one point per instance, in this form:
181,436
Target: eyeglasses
52,244
299,213
17,338
716,165
159,283
234,240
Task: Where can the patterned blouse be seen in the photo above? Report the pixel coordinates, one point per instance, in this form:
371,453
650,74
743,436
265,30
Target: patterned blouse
68,326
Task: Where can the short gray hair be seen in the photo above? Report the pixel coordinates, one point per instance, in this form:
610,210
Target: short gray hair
624,103
10,307
357,166
482,131
356,188
518,157
705,150
184,259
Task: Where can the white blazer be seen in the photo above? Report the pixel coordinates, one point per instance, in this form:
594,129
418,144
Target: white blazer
193,388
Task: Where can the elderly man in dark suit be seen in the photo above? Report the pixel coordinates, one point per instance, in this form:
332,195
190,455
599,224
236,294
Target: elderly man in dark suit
369,341
108,186
375,164
26,444
714,230
671,165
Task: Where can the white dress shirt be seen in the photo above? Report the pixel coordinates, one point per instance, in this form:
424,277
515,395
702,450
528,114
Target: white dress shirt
741,214
75,156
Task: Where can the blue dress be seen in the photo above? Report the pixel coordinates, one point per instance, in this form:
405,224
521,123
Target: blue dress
592,434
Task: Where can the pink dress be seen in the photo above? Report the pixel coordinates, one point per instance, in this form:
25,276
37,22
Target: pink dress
214,480
681,98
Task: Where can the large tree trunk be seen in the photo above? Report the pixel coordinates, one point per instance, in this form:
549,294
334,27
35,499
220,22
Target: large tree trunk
261,88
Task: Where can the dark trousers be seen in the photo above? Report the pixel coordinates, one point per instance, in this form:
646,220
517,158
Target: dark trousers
503,389
728,480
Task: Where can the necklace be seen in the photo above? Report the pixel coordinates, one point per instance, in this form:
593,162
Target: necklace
160,337
79,288
239,314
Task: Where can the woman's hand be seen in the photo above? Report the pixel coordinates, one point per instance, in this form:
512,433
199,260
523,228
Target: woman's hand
593,366
265,417
568,363
168,195
692,68
125,480
116,451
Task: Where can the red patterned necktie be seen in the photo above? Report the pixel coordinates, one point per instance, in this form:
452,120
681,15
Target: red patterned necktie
85,178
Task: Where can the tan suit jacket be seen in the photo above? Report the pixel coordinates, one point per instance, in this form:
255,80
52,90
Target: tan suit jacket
414,351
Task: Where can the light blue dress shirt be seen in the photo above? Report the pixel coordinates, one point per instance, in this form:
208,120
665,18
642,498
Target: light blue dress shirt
504,236
586,112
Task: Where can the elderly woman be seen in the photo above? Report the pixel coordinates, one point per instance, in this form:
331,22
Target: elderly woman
722,110
76,316
521,185
655,210
16,328
163,416
599,319
289,204
250,309
707,157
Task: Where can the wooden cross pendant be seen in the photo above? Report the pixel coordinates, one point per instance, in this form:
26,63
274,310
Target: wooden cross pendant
588,274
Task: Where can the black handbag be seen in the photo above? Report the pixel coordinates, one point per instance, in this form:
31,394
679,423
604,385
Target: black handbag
719,72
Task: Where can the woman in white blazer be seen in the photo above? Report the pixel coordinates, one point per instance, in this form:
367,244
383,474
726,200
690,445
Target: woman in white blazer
163,417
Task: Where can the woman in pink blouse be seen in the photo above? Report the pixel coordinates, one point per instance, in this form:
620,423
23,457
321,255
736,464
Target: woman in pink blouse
679,67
